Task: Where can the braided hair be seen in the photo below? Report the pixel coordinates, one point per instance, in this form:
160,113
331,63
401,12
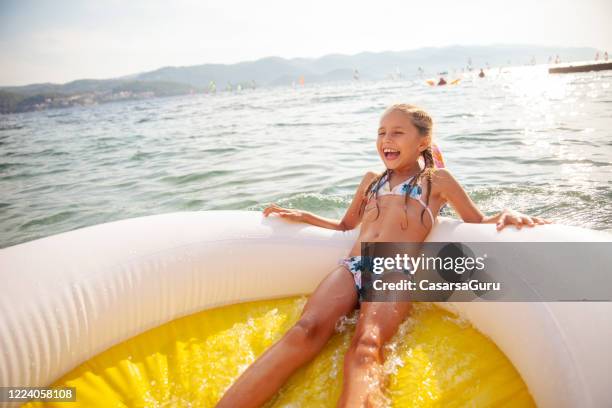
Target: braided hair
424,124
372,190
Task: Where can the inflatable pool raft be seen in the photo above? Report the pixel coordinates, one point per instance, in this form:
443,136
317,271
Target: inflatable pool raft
70,297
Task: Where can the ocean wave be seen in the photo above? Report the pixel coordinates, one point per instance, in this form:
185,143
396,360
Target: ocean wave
49,220
191,177
304,124
14,126
321,203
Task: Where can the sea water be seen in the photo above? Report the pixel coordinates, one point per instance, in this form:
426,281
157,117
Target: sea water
518,138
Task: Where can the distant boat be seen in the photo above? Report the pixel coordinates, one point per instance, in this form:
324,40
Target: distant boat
434,82
580,67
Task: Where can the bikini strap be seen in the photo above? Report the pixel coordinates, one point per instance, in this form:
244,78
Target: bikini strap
415,193
426,207
381,183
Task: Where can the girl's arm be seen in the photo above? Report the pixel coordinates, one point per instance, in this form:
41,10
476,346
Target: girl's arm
351,219
450,190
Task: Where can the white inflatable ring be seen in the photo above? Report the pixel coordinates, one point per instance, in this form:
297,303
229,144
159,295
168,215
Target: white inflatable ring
68,297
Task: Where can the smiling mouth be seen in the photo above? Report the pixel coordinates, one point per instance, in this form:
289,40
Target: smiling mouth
391,154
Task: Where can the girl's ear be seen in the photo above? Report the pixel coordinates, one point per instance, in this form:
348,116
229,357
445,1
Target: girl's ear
424,146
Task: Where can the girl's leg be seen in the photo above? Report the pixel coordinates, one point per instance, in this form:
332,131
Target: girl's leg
334,297
363,376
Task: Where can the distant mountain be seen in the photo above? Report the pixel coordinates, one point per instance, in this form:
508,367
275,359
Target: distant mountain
273,71
85,92
279,71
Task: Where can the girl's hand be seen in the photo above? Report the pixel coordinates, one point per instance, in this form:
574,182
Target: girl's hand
511,217
294,215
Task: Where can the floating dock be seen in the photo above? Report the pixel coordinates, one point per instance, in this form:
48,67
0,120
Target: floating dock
580,67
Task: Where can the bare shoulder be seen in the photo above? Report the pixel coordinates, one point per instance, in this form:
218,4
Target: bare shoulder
367,179
442,176
442,180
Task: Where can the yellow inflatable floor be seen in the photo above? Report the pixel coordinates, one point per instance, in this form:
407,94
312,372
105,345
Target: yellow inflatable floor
435,360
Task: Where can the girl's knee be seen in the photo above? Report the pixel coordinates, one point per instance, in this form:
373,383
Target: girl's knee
366,348
308,330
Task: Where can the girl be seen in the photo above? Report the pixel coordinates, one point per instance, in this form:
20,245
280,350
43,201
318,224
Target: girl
399,205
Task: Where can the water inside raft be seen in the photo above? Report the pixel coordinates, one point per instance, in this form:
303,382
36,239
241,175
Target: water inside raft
435,360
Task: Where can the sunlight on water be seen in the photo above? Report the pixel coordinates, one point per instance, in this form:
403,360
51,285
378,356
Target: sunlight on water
519,138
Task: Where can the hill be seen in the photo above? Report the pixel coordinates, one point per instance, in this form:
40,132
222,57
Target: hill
274,71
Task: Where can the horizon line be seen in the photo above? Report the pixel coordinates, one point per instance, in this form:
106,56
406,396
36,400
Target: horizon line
298,58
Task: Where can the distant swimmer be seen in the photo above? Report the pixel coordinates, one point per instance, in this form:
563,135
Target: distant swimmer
442,81
481,74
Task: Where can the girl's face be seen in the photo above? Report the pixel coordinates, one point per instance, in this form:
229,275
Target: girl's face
399,143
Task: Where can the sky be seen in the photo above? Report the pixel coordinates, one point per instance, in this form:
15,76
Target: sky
60,41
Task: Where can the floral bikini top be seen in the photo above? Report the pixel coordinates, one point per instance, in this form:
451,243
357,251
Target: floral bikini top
403,189
415,192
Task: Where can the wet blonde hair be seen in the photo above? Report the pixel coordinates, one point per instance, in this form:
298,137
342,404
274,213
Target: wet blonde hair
423,122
